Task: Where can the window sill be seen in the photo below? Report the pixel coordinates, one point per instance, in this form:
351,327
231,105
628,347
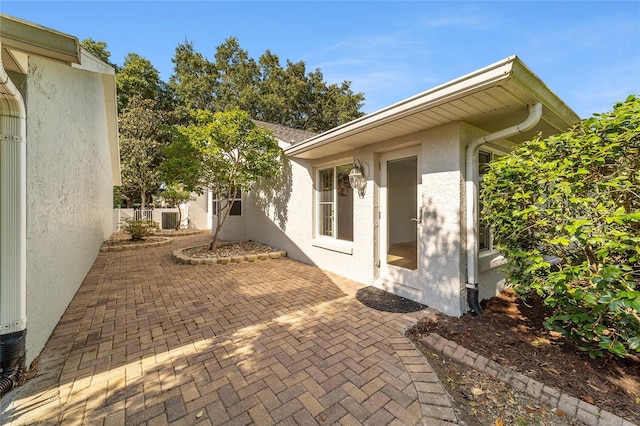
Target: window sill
333,245
490,260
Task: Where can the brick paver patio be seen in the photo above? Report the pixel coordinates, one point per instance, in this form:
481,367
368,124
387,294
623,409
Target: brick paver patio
149,341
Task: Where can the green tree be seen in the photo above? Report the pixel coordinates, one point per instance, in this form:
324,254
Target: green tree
233,153
292,97
575,198
288,96
181,164
138,77
145,131
237,76
193,80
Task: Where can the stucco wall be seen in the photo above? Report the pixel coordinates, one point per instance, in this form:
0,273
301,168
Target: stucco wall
284,217
199,212
69,189
281,213
441,234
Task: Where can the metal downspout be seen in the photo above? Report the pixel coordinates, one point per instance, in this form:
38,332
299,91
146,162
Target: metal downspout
535,113
13,230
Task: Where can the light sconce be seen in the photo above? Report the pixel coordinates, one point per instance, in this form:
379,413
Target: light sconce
358,178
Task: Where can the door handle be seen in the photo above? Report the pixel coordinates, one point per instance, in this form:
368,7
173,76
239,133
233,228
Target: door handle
419,219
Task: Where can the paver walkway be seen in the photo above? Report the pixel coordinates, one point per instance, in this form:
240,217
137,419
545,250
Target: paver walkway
149,341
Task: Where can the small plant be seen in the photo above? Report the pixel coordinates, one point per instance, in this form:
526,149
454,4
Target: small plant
140,229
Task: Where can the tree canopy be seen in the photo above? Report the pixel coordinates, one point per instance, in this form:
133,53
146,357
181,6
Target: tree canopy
289,96
145,131
232,153
138,77
565,211
233,81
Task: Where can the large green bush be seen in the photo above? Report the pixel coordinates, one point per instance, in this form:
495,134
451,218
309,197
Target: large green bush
565,211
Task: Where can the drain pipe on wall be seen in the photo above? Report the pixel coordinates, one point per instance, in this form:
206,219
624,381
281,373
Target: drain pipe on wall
535,113
13,203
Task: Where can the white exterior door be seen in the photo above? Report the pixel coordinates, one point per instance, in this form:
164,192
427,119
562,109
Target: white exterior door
400,217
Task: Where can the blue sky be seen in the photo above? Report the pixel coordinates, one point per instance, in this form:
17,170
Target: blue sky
586,52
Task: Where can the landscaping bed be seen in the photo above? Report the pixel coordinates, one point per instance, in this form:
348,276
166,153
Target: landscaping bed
512,334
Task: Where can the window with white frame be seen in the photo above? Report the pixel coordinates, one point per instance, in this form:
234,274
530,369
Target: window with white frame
236,208
335,203
485,240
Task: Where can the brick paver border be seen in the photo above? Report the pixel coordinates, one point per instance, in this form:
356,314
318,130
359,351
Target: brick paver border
180,257
435,403
165,241
572,406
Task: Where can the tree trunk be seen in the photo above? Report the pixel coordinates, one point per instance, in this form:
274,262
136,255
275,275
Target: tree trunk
216,237
142,198
179,217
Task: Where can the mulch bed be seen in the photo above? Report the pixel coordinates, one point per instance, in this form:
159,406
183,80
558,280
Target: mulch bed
512,333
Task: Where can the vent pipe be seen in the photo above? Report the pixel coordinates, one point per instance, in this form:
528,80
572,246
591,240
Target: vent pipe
535,113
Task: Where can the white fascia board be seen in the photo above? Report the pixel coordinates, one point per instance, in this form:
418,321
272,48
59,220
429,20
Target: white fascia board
89,62
282,144
38,40
19,60
529,81
487,76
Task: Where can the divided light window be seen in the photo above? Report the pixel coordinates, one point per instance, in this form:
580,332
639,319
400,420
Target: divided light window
335,203
236,208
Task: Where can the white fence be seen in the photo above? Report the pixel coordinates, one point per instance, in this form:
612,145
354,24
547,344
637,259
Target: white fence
156,215
195,214
143,214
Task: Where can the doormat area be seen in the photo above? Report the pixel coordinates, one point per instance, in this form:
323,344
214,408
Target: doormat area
381,300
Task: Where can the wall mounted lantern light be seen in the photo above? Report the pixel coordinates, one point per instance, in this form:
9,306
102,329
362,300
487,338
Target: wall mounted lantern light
358,177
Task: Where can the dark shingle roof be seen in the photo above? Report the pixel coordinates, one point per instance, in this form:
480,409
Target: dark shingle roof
286,134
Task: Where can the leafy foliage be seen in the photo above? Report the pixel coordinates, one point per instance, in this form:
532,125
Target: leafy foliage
181,165
138,78
230,153
175,195
193,79
268,92
118,202
140,229
575,198
145,131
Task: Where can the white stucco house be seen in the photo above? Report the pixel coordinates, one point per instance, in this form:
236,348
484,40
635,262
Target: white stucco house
59,162
411,227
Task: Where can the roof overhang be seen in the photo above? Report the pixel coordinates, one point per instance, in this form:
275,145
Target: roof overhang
492,98
28,37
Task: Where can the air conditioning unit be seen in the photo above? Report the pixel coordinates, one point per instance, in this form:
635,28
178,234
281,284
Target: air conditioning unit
169,220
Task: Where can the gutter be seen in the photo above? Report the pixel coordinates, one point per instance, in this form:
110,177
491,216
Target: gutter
473,82
29,37
535,114
13,202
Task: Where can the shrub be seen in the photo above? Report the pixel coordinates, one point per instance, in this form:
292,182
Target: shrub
140,229
575,198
